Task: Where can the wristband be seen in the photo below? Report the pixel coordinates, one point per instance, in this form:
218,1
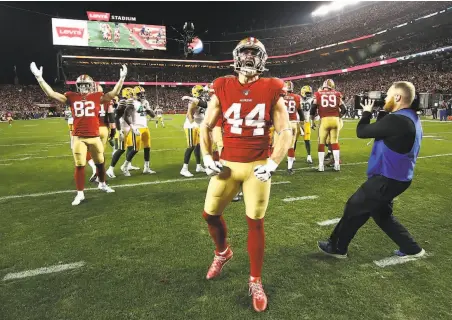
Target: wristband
271,165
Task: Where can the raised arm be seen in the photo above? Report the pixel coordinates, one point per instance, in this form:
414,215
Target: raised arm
44,85
117,89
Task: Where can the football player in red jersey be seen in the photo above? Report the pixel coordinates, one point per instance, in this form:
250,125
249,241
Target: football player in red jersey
85,107
293,105
248,105
329,103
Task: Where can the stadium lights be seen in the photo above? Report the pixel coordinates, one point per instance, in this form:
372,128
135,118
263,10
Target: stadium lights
333,6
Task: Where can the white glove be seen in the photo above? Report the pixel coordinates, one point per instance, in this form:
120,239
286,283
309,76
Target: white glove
213,168
264,172
121,135
135,130
37,72
368,105
301,130
123,72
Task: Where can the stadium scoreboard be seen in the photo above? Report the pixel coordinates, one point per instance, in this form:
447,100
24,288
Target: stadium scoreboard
106,34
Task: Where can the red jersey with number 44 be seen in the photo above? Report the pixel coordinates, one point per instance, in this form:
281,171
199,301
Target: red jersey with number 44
85,112
246,110
328,102
293,104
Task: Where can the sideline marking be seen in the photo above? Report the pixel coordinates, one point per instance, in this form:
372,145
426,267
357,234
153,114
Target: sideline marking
328,222
45,270
397,260
300,198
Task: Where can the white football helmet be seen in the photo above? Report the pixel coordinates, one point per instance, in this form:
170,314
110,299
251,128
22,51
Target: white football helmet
85,84
249,57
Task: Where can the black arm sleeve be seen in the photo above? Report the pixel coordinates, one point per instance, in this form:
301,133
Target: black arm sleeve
301,114
343,110
202,104
313,109
111,117
398,132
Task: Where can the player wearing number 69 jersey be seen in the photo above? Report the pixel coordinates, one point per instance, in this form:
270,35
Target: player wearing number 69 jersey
85,107
293,106
329,103
247,105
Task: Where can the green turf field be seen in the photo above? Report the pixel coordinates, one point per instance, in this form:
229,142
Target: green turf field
146,248
96,39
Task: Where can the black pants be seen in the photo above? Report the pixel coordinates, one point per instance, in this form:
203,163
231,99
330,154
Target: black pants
374,199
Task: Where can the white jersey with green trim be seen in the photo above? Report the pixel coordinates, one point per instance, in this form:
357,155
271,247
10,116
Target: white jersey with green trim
198,117
141,117
306,103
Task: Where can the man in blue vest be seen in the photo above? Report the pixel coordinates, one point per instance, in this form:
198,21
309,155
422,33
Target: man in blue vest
390,169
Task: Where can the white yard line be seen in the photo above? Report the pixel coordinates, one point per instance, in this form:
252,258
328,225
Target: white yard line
33,144
328,222
128,185
113,186
313,168
45,270
280,182
396,260
300,198
71,156
5,164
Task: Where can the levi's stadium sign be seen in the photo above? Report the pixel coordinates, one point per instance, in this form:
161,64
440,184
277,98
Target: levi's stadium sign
70,32
123,18
105,16
98,16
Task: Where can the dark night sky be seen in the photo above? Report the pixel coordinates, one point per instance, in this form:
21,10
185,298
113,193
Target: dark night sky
26,36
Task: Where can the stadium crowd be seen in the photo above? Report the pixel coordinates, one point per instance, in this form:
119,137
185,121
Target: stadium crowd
22,101
366,19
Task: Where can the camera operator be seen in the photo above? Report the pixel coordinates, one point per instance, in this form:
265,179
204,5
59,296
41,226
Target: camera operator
390,169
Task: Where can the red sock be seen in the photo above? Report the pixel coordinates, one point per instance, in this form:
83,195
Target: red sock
335,146
291,153
217,230
216,156
88,156
100,171
256,245
79,176
321,148
270,151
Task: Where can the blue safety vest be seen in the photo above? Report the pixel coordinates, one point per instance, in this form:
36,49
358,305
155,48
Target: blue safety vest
385,162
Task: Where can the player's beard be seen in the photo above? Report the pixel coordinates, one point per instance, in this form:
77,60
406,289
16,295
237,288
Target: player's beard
389,106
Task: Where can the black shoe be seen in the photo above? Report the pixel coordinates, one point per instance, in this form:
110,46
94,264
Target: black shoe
327,248
290,172
328,156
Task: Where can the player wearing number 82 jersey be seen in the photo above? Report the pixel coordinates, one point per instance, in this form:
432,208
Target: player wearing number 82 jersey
329,103
248,105
85,108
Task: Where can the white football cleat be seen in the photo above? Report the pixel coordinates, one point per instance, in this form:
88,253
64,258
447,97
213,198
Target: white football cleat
186,173
133,168
110,173
148,170
309,160
200,169
337,167
321,168
105,188
126,173
77,200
